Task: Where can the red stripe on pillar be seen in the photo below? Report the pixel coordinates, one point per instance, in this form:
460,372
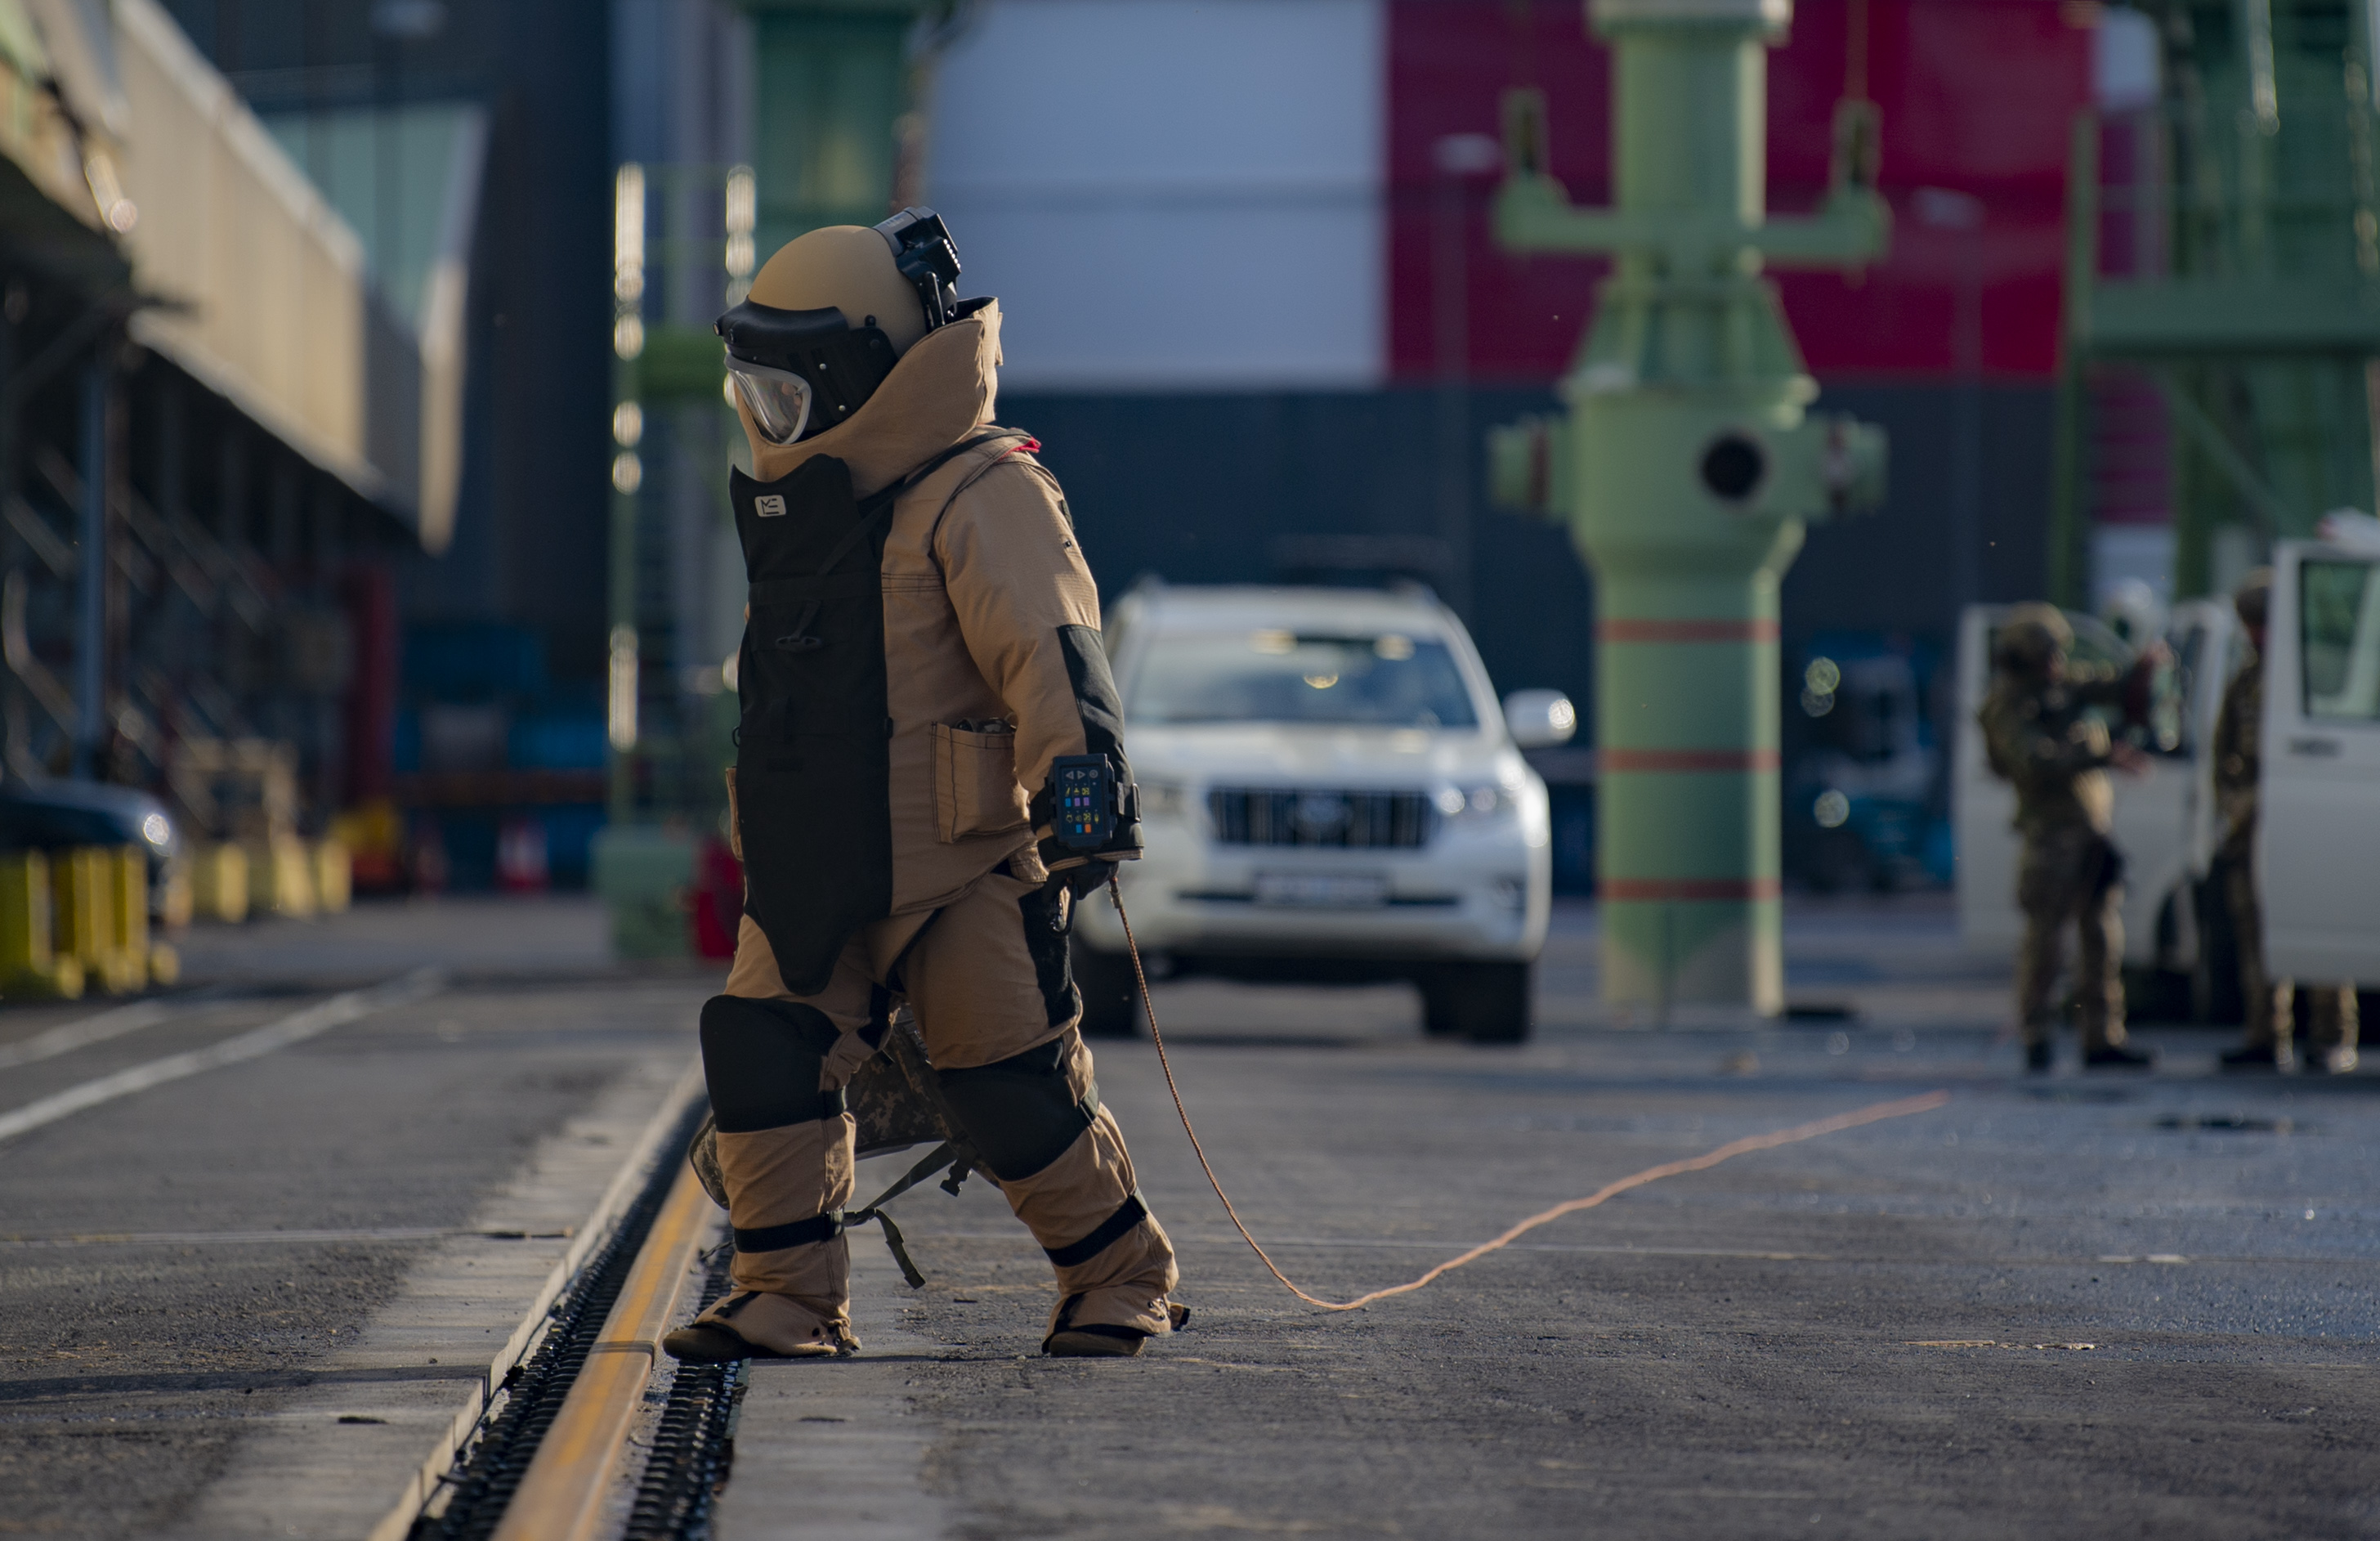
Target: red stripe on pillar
1687,888
1686,631
1686,759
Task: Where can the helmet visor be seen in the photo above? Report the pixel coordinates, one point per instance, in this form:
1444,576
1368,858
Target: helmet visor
779,400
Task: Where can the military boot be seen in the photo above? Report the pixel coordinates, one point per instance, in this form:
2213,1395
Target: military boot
2255,1057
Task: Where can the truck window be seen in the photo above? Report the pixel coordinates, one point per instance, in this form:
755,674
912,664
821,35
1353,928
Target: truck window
2338,628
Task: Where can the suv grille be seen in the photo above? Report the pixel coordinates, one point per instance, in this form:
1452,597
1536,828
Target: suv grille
1375,820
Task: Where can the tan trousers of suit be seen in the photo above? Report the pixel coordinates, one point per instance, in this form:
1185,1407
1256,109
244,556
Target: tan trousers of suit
969,974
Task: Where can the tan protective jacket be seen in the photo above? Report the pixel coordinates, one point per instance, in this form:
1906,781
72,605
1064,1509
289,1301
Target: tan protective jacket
981,577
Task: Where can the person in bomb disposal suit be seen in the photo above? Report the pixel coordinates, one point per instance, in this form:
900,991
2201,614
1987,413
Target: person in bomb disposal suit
923,647
2040,736
2239,765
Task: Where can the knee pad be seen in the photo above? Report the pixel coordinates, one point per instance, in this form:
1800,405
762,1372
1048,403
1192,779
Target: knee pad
762,1059
1018,1112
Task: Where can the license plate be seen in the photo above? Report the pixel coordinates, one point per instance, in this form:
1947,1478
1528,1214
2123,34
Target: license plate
1336,891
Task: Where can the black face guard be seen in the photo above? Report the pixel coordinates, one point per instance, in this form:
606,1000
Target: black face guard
841,365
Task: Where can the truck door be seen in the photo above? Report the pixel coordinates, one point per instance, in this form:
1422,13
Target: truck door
2318,846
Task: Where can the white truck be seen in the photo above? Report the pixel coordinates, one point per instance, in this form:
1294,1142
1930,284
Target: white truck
2318,839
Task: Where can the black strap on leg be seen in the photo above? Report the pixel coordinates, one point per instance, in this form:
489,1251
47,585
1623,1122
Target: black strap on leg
777,1238
1110,1232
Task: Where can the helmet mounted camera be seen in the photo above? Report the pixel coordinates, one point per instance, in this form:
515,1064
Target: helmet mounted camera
801,372
925,255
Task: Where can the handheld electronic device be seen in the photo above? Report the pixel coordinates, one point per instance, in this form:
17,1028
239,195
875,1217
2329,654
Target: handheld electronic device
1083,788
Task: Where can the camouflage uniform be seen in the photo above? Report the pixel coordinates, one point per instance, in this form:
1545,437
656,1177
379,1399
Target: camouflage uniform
2041,740
2239,758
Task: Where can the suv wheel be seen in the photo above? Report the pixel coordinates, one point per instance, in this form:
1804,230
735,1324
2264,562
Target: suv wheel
1111,1007
1487,1002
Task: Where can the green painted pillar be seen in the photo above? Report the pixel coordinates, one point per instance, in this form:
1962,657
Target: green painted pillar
1685,471
830,82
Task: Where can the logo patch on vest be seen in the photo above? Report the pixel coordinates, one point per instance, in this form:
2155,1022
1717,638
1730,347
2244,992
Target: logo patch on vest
769,506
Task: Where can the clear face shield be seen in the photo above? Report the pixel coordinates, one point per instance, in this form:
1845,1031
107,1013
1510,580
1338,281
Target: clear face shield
779,400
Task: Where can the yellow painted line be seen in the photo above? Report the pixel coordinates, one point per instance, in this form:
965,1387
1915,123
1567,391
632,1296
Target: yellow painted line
560,1497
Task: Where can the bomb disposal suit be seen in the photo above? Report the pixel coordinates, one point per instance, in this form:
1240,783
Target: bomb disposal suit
930,777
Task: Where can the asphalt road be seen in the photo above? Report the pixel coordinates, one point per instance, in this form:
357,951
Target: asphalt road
131,1368
1874,1333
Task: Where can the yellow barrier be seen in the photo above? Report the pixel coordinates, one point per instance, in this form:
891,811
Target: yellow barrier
219,883
85,890
144,960
334,876
30,967
280,878
176,899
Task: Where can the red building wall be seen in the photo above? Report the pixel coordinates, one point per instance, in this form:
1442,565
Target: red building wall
1976,96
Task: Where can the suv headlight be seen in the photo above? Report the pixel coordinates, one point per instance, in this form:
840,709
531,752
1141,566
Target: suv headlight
1486,800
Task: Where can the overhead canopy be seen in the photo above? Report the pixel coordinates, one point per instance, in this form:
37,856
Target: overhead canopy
258,288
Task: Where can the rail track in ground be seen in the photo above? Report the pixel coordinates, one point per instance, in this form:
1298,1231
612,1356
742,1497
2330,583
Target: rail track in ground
552,1454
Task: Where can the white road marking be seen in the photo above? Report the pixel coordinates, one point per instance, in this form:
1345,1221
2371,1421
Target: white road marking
297,1026
271,1238
85,1031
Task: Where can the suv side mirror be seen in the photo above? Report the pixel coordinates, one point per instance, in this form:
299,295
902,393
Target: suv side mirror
1539,719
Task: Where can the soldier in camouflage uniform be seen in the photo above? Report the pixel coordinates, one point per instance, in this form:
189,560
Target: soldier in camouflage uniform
2041,738
2239,761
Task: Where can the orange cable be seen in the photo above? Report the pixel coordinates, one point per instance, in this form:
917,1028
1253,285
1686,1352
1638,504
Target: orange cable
1873,1114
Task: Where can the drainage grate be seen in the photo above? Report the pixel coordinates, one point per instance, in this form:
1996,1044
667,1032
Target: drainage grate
486,1477
694,1444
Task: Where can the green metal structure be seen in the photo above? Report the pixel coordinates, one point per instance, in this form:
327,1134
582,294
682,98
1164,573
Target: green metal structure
1686,471
832,81
832,86
2253,298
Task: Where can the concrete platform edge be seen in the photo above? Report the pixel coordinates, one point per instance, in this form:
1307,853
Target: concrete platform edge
598,1228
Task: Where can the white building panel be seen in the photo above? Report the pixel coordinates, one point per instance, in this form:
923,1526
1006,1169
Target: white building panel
1172,194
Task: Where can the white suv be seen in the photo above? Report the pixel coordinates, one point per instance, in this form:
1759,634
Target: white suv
1329,793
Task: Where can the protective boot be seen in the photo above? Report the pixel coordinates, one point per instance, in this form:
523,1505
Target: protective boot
1099,1341
785,1151
779,1328
1060,1160
1112,1275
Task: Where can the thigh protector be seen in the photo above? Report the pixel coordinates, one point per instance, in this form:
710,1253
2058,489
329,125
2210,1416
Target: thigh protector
1018,1112
763,1061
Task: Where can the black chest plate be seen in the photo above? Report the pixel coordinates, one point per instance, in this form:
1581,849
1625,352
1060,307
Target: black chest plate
813,764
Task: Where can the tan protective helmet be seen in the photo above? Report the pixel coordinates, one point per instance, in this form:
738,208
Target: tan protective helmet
2253,598
850,268
830,313
2031,637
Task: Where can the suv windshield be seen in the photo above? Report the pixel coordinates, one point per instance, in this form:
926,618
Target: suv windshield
1390,680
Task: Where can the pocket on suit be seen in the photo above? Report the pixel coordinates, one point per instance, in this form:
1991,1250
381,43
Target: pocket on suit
975,782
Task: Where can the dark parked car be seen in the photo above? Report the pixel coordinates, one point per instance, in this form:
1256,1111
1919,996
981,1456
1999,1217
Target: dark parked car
60,816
